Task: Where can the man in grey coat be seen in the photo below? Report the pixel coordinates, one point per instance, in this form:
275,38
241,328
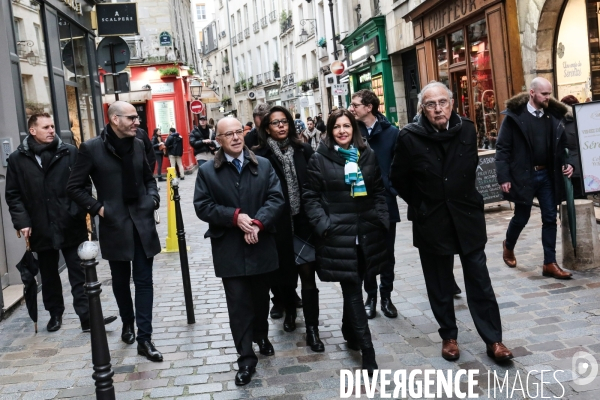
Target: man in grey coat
240,197
127,198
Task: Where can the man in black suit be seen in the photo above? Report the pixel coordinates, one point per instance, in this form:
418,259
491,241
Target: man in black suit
127,198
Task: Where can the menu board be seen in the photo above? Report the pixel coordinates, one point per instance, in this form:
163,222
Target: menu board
486,182
587,120
164,112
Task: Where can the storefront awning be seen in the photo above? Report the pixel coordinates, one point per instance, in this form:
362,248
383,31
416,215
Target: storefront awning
135,96
209,96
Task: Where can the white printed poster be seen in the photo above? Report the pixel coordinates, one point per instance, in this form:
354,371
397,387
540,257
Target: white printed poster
587,116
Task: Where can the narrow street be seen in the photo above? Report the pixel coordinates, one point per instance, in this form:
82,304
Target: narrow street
545,322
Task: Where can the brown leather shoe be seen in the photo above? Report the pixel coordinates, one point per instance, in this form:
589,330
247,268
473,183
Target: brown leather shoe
450,350
554,271
508,256
498,352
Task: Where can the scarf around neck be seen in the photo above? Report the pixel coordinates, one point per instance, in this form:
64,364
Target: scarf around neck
44,151
289,171
352,174
124,149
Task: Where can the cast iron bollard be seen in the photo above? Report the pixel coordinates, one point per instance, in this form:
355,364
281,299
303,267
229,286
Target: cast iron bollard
103,372
185,267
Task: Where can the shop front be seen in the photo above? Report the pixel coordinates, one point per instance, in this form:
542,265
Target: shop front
48,53
369,66
468,45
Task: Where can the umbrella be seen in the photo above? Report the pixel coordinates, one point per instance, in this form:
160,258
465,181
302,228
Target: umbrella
571,207
29,268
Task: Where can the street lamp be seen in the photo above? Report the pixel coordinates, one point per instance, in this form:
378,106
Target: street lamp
304,34
208,66
196,89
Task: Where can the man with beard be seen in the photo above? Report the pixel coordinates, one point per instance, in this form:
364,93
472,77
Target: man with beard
434,171
311,135
36,183
529,162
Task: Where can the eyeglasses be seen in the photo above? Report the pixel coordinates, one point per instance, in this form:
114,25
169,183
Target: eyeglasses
354,105
132,118
276,122
432,105
230,134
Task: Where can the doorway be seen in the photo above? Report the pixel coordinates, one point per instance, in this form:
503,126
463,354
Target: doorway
411,82
460,87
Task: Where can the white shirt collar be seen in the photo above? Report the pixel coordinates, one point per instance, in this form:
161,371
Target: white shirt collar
240,157
437,130
370,128
532,110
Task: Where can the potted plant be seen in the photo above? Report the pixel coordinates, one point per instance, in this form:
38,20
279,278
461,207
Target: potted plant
322,42
304,85
169,72
250,82
237,87
275,69
244,84
226,101
315,82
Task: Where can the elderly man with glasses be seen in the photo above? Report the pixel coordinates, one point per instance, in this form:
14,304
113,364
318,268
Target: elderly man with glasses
240,197
434,171
127,198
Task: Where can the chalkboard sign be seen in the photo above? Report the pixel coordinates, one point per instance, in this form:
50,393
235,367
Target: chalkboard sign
486,183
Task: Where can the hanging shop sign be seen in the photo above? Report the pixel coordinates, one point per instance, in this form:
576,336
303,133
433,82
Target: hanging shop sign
117,19
587,117
367,49
165,39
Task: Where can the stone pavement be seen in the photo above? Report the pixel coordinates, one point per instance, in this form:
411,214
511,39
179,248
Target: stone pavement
545,322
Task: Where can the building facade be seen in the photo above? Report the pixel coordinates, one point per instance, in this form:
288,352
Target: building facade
48,53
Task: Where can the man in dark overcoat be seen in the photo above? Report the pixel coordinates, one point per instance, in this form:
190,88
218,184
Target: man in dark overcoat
381,136
434,171
127,198
530,163
240,197
36,194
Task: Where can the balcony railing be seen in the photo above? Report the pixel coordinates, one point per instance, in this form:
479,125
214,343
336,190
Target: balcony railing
247,32
286,24
135,48
234,39
263,22
225,69
287,79
291,79
240,37
272,16
259,79
267,77
255,26
322,52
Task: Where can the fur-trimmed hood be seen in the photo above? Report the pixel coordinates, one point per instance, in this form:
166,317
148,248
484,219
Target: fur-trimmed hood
220,158
555,107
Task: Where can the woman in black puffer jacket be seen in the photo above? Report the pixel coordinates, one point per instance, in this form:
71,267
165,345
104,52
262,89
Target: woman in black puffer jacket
345,204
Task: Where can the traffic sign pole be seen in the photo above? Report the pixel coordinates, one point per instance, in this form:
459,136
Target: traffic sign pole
113,65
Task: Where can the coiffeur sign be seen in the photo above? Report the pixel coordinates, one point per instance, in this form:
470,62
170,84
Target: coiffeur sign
117,19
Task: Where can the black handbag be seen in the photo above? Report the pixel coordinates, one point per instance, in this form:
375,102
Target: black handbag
304,252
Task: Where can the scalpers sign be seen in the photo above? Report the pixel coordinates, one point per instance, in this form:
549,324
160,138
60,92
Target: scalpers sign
450,12
74,5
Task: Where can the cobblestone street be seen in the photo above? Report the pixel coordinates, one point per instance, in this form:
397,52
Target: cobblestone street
545,322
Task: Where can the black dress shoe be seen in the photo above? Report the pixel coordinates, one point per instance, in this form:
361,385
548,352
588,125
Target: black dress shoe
298,300
289,323
148,350
370,307
313,340
387,308
265,347
244,375
128,333
277,311
55,323
85,325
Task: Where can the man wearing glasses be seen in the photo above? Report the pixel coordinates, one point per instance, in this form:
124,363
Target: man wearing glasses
381,136
434,171
240,197
127,198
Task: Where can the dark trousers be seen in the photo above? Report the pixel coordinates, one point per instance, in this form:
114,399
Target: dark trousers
200,162
159,161
141,270
355,325
544,192
248,306
386,275
52,286
438,272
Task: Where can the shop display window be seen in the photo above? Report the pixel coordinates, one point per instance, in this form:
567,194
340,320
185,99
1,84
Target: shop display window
31,49
441,52
377,88
457,45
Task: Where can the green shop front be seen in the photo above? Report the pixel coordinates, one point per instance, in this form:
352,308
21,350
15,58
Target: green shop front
369,66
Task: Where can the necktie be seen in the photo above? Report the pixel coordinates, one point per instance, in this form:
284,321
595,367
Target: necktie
237,164
537,113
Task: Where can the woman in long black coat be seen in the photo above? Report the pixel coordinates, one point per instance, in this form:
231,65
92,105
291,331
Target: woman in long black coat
345,203
158,145
279,143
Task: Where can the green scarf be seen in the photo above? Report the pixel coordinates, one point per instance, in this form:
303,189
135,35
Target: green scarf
352,174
